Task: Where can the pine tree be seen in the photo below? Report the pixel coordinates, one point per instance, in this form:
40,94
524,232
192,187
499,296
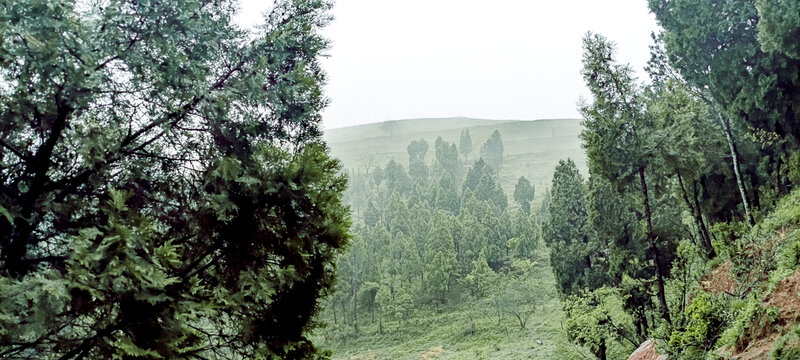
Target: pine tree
525,235
481,182
707,47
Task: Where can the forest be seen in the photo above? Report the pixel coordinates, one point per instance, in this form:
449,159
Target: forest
680,233
167,191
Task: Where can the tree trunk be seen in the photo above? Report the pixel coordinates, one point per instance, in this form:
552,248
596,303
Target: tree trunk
726,127
705,238
601,349
662,298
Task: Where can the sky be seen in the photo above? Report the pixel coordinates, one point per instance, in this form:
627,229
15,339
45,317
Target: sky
499,59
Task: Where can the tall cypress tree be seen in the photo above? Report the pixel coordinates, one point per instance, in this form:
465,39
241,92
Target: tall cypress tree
566,230
619,135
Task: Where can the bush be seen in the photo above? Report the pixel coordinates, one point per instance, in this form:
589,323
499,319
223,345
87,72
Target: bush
706,318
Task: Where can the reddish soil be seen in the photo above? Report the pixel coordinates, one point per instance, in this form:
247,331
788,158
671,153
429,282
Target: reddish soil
647,351
785,296
759,349
720,280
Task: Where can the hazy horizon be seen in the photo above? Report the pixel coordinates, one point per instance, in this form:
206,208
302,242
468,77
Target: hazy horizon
462,58
450,117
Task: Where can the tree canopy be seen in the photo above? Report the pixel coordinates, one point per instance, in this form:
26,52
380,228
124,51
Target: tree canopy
163,187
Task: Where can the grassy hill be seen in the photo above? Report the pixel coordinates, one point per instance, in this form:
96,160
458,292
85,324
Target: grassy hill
532,148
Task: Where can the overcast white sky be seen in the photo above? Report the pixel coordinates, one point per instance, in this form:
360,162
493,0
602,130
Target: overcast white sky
500,59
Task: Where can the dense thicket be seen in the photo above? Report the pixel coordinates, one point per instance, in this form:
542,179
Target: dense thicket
163,189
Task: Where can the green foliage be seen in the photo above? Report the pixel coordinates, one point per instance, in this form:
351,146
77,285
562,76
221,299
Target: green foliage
522,294
492,151
481,279
417,168
440,263
597,319
447,158
565,231
706,318
525,234
396,178
447,196
622,143
481,181
165,190
523,194
779,27
707,40
788,346
465,143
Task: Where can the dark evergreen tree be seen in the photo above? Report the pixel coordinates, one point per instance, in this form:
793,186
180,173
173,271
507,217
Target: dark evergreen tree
566,231
715,46
164,192
779,27
620,137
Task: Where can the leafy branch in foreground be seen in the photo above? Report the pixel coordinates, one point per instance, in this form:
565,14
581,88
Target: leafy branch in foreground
163,189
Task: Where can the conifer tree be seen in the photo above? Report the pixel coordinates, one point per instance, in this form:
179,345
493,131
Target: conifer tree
165,192
523,194
447,158
779,26
465,144
566,230
446,195
441,265
417,169
396,178
492,151
619,136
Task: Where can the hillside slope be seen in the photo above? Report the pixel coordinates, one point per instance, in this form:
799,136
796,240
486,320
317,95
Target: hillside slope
532,148
747,306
